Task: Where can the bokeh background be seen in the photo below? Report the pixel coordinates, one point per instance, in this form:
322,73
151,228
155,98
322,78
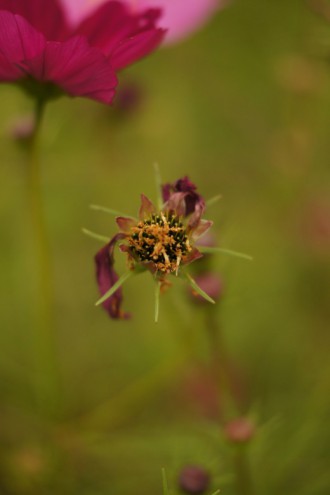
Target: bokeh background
243,108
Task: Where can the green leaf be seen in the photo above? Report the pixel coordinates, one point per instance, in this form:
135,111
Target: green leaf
198,289
116,286
110,211
98,237
230,252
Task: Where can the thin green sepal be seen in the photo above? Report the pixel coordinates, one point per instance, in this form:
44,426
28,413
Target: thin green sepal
213,200
116,286
230,252
93,235
157,295
158,181
198,289
110,211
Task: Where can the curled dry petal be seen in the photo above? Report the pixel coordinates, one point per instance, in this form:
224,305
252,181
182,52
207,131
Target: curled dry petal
125,223
147,208
193,256
176,204
184,185
107,277
201,228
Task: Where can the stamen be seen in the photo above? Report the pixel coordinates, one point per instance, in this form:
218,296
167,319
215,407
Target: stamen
161,239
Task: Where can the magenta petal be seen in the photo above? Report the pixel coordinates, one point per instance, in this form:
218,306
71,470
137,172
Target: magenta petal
132,49
19,41
44,15
107,26
76,68
107,277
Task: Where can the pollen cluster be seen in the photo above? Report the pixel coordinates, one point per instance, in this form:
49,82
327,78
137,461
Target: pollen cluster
162,240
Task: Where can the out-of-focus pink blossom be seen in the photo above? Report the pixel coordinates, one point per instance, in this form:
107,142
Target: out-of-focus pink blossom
180,17
239,430
47,56
194,480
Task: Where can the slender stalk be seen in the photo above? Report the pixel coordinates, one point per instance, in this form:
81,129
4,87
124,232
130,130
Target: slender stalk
47,383
220,367
230,403
244,483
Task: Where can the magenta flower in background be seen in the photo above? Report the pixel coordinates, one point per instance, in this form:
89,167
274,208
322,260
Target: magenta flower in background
180,17
47,55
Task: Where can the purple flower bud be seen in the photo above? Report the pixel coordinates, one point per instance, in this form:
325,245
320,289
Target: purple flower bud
194,480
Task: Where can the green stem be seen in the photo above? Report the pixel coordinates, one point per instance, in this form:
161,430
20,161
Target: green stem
230,403
244,483
44,328
220,366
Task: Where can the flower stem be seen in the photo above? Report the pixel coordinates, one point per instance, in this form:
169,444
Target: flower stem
47,377
242,470
230,403
220,367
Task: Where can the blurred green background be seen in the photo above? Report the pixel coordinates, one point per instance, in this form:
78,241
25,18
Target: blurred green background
242,108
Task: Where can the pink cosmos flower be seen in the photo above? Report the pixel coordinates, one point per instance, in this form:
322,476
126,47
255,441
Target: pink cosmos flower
181,17
42,51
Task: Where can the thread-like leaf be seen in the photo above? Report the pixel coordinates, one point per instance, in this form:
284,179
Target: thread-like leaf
213,200
110,211
230,252
198,289
95,236
116,286
157,295
158,181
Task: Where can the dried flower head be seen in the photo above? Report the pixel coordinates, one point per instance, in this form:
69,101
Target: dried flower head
161,240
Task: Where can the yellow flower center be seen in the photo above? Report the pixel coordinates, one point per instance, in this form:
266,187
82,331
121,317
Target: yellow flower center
162,239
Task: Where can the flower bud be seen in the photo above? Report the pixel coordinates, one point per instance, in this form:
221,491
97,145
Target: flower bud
239,430
194,480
